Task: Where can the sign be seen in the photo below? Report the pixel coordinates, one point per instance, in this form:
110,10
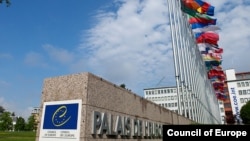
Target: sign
61,120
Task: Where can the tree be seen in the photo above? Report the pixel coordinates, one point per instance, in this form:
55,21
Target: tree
6,1
5,121
1,109
31,124
123,86
245,113
20,124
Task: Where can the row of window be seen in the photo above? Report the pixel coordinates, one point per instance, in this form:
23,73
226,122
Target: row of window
244,92
163,91
168,104
244,100
160,91
173,97
243,84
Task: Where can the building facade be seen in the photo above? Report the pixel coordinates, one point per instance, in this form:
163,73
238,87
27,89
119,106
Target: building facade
167,97
239,91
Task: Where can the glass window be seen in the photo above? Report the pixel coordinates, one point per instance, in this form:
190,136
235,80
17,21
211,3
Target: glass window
240,92
172,104
238,84
227,105
174,90
246,99
221,110
243,84
248,91
244,91
247,84
242,100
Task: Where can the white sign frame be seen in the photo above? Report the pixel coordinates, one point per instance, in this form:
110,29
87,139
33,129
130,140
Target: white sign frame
47,134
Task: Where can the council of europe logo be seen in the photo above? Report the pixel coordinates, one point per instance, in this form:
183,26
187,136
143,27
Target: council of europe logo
61,116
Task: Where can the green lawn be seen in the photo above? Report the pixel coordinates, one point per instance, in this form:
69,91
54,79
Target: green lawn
17,136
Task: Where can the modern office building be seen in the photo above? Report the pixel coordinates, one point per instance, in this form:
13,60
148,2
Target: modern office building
167,97
239,91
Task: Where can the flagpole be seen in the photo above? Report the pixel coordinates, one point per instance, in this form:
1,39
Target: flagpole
179,59
175,58
185,62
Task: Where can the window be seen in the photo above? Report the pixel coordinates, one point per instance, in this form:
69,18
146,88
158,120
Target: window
248,91
247,84
243,84
221,110
244,92
242,100
240,92
227,105
238,84
174,90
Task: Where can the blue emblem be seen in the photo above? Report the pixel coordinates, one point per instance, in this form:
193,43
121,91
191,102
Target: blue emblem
62,116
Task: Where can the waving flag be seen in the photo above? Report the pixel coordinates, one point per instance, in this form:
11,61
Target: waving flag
204,28
207,37
203,24
197,6
203,20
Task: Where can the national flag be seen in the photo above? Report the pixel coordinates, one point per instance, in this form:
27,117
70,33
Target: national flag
205,28
205,8
197,6
207,37
202,20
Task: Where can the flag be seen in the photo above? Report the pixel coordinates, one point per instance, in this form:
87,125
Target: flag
203,20
207,37
205,28
197,6
205,8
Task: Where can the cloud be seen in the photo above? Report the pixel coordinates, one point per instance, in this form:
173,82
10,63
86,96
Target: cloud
59,54
35,59
5,56
235,33
131,45
11,107
4,83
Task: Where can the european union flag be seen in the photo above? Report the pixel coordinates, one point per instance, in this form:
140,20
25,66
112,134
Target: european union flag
61,116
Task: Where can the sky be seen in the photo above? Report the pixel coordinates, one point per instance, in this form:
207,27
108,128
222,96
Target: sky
123,41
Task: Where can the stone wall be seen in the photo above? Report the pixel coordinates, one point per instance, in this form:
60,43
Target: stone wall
99,95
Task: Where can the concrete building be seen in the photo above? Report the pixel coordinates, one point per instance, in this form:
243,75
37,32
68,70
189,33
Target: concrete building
167,98
239,90
85,107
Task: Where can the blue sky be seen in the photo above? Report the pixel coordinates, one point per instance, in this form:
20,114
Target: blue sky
121,41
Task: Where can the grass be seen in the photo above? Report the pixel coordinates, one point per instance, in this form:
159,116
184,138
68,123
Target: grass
17,136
